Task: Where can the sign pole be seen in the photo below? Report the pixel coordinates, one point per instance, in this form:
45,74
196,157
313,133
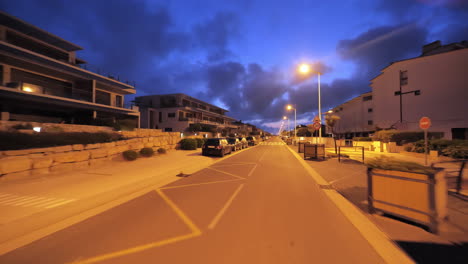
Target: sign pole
425,147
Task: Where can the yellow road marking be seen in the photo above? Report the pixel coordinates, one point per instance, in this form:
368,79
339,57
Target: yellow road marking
197,184
195,232
230,174
252,170
225,207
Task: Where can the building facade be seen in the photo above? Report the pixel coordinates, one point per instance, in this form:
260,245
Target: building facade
42,80
180,112
434,85
356,117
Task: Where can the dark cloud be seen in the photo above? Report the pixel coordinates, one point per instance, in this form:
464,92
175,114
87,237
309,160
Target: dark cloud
378,47
215,34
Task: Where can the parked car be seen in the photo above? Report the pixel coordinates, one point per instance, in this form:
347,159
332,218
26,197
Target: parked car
244,142
252,141
216,146
234,143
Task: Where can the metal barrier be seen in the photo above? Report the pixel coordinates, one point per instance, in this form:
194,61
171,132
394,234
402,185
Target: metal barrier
313,151
301,146
340,147
450,172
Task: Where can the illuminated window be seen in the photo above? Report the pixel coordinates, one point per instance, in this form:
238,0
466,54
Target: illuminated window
32,88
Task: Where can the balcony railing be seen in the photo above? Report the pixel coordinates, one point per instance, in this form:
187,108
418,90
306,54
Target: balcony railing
201,121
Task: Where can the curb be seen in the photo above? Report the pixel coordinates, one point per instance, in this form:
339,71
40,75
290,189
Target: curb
382,244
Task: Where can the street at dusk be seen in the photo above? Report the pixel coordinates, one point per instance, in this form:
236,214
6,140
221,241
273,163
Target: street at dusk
233,131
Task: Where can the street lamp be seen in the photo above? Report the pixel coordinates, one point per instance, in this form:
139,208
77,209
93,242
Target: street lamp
290,107
289,132
305,69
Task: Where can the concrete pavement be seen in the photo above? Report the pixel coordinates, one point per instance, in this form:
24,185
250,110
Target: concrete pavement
259,206
349,178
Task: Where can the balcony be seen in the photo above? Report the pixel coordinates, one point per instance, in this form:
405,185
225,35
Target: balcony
207,122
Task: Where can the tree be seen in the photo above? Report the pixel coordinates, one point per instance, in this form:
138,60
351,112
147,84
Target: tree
303,132
331,120
195,128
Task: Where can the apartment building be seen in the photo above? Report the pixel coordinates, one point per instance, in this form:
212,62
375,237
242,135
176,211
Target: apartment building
178,112
434,84
356,117
43,80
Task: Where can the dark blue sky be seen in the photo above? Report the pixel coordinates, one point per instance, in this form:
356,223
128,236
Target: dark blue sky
241,54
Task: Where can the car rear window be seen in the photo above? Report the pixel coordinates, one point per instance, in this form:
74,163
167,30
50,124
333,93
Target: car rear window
231,140
212,142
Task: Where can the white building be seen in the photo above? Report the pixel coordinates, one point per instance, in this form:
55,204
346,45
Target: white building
433,85
356,117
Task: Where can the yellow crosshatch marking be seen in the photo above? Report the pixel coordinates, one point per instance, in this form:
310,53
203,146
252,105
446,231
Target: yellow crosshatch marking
195,230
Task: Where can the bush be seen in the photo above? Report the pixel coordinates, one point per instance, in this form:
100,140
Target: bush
130,155
15,140
188,144
161,150
402,137
200,142
362,139
387,163
23,126
147,152
456,151
409,147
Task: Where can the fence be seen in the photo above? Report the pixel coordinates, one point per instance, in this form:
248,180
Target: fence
453,172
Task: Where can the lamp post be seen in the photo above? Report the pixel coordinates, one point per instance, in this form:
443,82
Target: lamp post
290,107
286,118
306,69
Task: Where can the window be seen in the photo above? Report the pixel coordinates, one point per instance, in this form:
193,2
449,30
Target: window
118,100
367,98
403,77
168,129
370,122
170,114
103,98
369,110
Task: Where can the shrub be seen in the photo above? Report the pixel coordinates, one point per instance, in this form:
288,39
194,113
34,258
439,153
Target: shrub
362,139
147,152
188,144
161,150
456,151
387,163
130,155
402,137
409,147
23,126
200,142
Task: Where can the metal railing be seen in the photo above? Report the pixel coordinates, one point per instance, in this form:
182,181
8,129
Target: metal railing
452,171
340,147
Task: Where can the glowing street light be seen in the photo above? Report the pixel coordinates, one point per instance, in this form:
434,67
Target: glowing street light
289,132
305,69
290,107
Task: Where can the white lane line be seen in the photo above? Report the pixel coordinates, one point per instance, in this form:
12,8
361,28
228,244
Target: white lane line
3,195
12,197
23,199
45,204
39,201
62,203
32,199
215,221
252,170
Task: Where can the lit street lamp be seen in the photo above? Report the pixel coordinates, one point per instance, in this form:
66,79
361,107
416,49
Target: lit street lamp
306,69
289,132
290,107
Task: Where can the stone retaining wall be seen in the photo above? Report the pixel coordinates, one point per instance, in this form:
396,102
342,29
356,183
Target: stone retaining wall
55,127
62,158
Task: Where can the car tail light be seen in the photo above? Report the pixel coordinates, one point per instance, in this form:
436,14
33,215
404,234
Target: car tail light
219,147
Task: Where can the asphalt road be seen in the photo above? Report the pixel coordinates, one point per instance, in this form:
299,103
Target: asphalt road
258,206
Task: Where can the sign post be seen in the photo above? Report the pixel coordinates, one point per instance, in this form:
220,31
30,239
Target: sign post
424,124
317,125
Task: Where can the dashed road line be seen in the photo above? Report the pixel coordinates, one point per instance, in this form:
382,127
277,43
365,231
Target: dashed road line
7,199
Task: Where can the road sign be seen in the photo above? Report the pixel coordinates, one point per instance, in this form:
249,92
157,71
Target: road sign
316,126
425,123
316,120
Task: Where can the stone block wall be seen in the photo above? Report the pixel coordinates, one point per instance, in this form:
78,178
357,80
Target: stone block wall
73,157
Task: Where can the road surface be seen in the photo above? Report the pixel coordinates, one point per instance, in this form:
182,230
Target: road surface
258,206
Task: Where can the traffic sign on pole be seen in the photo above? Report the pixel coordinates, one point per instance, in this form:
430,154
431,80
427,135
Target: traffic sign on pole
316,126
316,120
425,122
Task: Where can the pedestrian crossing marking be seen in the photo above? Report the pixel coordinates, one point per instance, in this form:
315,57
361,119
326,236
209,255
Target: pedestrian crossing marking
7,199
272,143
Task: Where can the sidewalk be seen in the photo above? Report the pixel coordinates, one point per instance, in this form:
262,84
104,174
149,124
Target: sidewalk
349,178
81,194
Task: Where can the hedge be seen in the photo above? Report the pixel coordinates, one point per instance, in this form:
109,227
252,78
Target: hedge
362,139
402,137
188,144
16,140
200,142
457,149
387,163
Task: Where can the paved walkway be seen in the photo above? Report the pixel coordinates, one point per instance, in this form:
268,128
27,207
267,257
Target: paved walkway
349,178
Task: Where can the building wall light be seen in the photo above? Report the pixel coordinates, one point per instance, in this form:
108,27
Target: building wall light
37,129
